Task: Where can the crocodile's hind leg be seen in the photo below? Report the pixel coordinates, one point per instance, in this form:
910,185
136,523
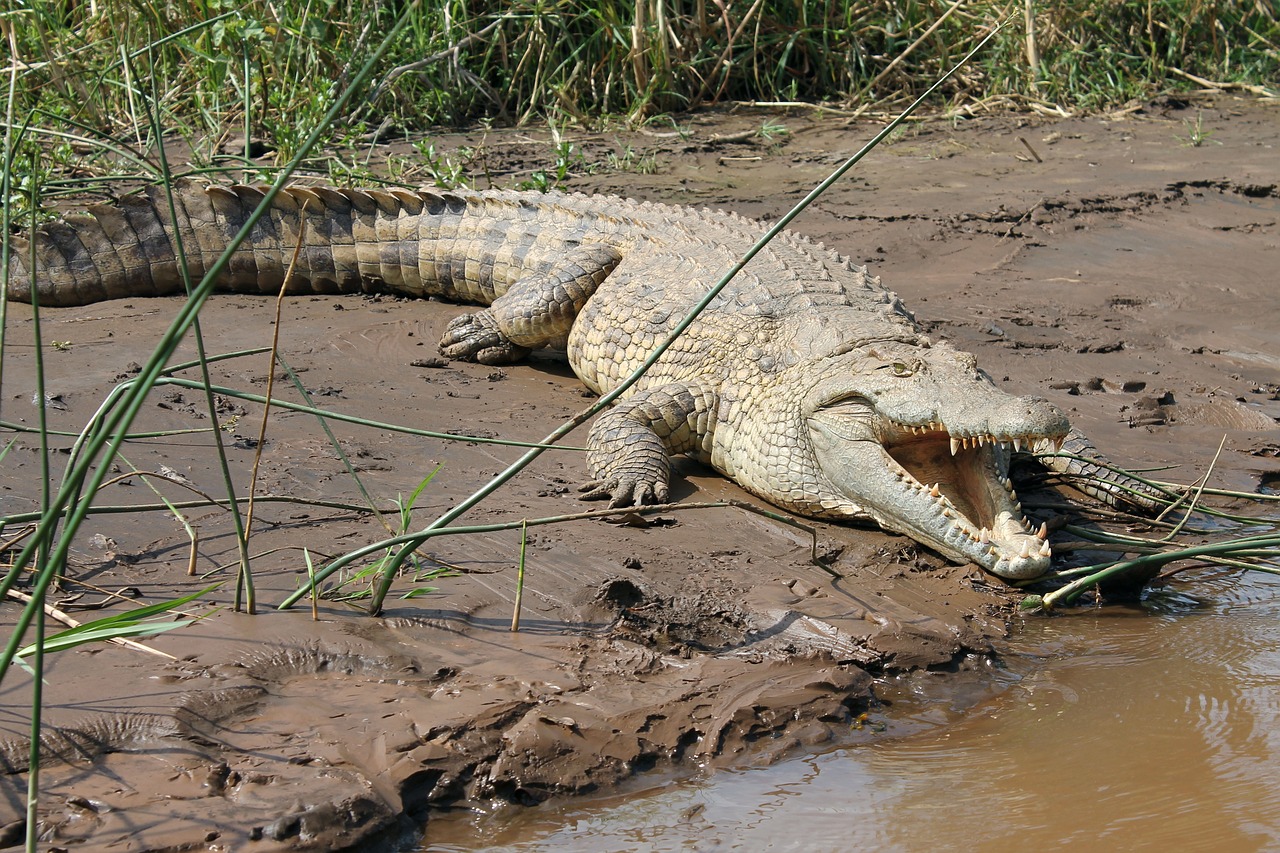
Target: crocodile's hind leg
630,445
1090,472
536,311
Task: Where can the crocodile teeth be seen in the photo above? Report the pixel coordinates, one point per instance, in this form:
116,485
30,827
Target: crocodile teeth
1045,550
1058,442
1017,445
1043,532
984,536
935,491
1024,549
955,445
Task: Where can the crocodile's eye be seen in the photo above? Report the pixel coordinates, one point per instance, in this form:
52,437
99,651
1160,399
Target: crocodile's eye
901,368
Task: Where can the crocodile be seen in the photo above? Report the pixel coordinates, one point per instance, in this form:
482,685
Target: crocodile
805,380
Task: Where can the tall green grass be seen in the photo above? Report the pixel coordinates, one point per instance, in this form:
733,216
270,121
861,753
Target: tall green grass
268,71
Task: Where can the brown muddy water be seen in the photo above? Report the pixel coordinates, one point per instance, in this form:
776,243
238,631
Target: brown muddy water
1155,726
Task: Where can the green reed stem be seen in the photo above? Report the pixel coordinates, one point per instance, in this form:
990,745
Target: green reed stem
1267,546
355,419
37,668
121,509
244,578
515,608
6,185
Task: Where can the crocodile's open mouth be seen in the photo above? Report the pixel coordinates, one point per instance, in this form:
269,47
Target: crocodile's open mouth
966,479
949,490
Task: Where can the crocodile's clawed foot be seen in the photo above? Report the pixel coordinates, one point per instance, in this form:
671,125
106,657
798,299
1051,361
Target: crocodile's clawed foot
476,337
624,492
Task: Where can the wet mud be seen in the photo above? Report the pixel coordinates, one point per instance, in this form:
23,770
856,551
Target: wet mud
1104,262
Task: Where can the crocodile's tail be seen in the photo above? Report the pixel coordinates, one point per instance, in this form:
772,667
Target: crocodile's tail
351,240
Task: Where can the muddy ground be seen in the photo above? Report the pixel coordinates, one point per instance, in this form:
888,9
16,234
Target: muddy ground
1106,262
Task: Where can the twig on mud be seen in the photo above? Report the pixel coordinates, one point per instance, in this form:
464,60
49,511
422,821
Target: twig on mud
1262,91
133,436
157,475
849,114
245,574
726,138
353,419
70,622
306,553
225,503
109,597
17,537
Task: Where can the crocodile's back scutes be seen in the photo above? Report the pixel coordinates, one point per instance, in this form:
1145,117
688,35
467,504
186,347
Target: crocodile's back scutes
462,245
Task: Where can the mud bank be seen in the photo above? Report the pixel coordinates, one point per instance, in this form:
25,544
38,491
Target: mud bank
1104,262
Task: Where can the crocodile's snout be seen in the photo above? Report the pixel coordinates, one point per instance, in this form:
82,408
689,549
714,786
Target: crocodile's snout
924,447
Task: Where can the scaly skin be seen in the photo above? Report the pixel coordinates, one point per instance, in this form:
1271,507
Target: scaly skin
805,381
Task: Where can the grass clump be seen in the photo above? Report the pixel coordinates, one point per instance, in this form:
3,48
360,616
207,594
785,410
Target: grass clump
239,87
256,77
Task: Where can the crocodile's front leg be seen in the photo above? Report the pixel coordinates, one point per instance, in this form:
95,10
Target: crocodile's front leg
536,311
630,445
1087,468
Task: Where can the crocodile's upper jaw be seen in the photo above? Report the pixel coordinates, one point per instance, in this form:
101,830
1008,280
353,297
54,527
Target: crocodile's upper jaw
949,491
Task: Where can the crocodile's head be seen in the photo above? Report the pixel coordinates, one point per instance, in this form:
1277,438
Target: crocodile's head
920,439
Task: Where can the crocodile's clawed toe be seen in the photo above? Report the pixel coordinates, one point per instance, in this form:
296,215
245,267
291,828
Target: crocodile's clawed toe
506,353
624,492
476,337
